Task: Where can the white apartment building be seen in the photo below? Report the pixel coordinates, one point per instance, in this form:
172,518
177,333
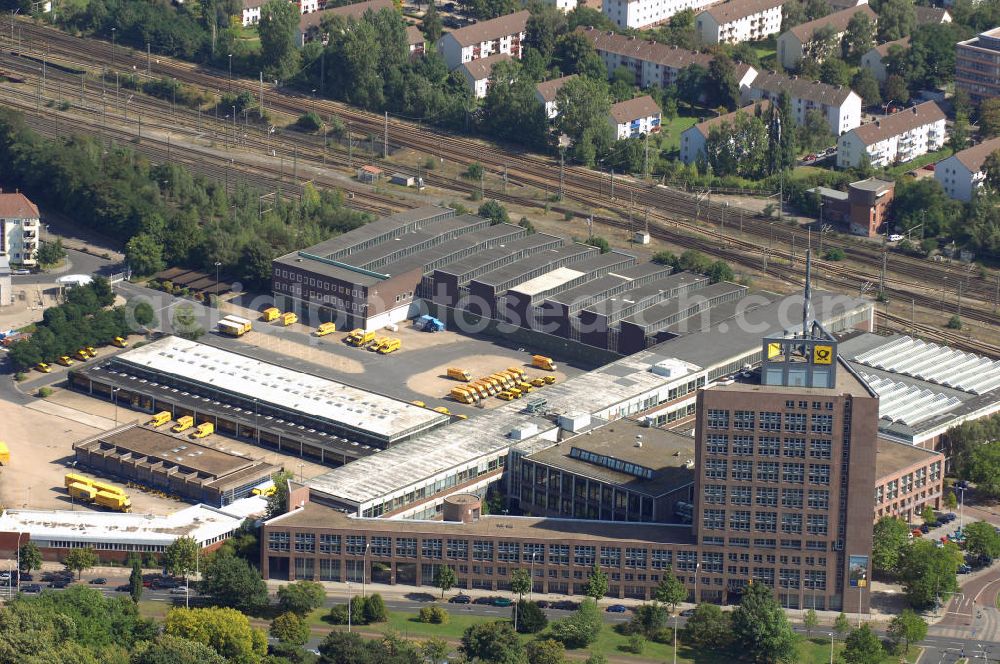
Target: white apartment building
504,34
962,173
546,91
874,60
311,25
19,227
739,21
797,43
639,14
635,117
693,138
563,5
895,138
840,105
477,73
251,12
652,63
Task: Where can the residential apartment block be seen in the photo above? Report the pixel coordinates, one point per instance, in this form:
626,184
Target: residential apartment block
652,63
977,66
251,12
639,14
477,72
19,228
546,91
311,24
962,173
894,138
693,138
798,42
479,40
739,21
635,117
874,60
840,106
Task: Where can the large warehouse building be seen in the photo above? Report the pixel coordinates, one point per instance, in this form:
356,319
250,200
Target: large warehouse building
291,411
173,464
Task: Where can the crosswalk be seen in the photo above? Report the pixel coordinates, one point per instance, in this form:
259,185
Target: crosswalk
965,621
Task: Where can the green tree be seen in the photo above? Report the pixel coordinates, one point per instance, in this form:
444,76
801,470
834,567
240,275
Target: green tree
950,501
984,468
184,322
896,19
720,271
814,133
958,139
144,254
301,597
180,558
445,579
545,25
927,572
475,171
492,642
510,110
135,581
50,253
890,539
226,630
866,86
907,628
991,168
276,28
580,629
739,147
143,313
927,513
29,557
670,590
530,618
859,38
896,89
810,621
691,83
647,619
232,582
309,122
835,71
575,54
723,83
597,583
290,629
431,25
600,243
546,651
664,258
841,625
583,104
709,627
495,212
167,649
761,627
863,647
375,610
435,649
277,502
520,582
982,539
80,560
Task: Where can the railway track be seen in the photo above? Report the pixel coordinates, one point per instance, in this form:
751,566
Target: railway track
779,262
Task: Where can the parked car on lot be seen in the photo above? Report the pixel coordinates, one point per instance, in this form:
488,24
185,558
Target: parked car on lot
31,588
925,529
99,581
123,588
460,599
964,569
59,583
687,613
616,608
179,590
566,605
502,601
543,604
483,600
917,532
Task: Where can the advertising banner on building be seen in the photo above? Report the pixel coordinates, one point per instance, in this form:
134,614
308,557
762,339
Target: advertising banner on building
857,571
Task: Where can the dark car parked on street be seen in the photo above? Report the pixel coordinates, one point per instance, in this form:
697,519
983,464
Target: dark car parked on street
460,599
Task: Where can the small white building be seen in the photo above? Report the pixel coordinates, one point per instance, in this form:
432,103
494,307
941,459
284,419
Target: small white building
415,41
798,43
652,62
639,14
694,137
874,60
635,117
739,21
6,284
962,173
895,138
840,105
251,12
931,15
19,227
546,91
477,72
504,34
307,6
565,6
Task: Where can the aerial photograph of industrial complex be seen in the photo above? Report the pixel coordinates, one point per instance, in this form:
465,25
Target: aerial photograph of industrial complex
499,331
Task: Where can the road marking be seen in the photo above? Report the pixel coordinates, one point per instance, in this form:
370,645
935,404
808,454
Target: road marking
976,598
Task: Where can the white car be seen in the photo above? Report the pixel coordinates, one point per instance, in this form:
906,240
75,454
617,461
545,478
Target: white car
181,590
895,237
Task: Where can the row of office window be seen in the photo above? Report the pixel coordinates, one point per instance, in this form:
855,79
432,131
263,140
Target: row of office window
717,494
765,522
791,447
748,420
767,471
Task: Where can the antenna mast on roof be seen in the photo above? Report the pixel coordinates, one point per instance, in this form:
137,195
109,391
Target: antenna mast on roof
807,296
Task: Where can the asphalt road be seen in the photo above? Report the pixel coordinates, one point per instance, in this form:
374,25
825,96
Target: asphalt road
78,263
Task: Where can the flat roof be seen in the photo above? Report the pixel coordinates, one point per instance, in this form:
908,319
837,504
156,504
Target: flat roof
615,304
548,281
529,243
847,383
165,447
610,281
661,311
295,391
201,522
312,515
369,258
892,457
518,269
343,243
669,455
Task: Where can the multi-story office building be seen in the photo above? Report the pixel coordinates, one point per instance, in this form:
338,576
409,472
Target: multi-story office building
785,470
977,66
19,222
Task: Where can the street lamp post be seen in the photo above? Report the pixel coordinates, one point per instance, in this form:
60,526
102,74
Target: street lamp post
531,573
697,566
350,602
217,266
861,585
114,398
831,647
364,568
961,509
675,639
230,73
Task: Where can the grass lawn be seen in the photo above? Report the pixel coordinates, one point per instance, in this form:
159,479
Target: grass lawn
150,609
671,131
919,162
609,642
